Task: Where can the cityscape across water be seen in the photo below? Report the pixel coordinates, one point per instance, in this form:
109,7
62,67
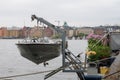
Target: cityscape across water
12,63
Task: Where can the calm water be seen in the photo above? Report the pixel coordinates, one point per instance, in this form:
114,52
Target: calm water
12,63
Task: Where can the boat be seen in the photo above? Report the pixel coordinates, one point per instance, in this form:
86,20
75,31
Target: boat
42,49
39,50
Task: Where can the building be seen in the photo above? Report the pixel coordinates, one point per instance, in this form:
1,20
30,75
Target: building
13,32
112,28
3,32
99,30
24,32
70,33
84,30
36,32
49,32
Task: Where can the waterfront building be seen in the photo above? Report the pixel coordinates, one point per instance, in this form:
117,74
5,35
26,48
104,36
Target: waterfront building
3,32
49,32
99,30
84,30
13,32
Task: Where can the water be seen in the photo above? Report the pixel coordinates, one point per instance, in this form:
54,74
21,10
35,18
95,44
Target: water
12,63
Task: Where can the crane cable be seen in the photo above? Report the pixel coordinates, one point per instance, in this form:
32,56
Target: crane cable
27,74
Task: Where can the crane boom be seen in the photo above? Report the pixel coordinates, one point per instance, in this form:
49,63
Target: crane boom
41,20
63,37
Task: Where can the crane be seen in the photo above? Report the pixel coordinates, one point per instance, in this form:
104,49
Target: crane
73,60
63,37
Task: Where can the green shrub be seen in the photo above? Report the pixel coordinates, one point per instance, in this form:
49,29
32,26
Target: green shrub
102,51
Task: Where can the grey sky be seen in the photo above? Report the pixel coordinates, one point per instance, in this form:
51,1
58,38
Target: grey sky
75,12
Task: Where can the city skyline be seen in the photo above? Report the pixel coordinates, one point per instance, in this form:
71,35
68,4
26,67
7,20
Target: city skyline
75,13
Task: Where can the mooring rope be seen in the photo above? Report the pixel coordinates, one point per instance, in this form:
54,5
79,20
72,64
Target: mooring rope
102,59
111,74
27,74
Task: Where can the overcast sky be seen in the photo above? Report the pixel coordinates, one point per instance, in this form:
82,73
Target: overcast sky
74,12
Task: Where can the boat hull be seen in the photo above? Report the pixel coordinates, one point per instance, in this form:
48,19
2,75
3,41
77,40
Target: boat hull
39,53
